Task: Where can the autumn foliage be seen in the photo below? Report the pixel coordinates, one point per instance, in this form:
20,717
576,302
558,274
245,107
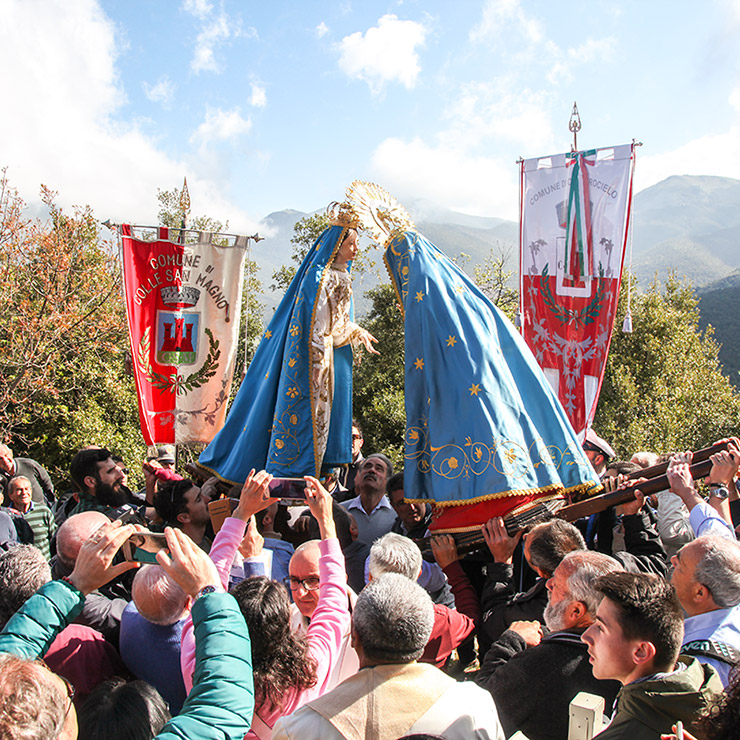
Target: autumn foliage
62,333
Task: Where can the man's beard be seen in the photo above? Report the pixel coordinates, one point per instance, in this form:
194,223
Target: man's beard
554,614
113,496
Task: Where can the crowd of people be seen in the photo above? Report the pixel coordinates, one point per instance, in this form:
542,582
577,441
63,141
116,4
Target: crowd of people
343,618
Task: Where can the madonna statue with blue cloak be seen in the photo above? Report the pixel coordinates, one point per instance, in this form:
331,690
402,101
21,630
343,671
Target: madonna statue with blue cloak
485,433
292,415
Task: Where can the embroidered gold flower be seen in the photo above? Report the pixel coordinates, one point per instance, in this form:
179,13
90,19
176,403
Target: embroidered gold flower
294,330
279,444
291,362
293,419
292,392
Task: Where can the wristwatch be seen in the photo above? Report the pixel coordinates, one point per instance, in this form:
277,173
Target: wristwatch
718,491
207,590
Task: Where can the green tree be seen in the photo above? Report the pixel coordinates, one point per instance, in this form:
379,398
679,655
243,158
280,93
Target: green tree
62,337
171,214
663,388
378,385
494,280
305,232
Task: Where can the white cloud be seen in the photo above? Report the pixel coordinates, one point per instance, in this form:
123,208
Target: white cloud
199,8
384,53
221,125
162,92
259,97
321,30
498,14
455,178
470,166
718,154
66,131
509,26
217,28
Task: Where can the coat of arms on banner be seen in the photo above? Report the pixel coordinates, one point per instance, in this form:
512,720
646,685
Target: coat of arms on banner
573,228
177,338
181,300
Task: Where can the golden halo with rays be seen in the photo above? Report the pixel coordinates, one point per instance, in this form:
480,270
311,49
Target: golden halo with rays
379,212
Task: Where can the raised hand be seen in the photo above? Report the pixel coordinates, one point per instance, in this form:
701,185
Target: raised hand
255,495
187,564
444,549
499,542
321,504
93,567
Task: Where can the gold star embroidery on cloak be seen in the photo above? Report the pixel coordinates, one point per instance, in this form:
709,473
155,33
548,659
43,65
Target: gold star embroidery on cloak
419,364
474,389
419,296
451,341
268,334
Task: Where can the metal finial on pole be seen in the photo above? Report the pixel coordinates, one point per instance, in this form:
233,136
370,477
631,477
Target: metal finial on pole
574,125
185,202
184,208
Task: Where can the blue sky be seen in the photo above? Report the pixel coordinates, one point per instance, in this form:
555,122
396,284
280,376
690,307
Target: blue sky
266,106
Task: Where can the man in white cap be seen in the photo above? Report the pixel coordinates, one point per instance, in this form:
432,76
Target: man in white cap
598,451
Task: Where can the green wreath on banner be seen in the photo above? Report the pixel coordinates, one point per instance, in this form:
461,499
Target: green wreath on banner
588,314
174,382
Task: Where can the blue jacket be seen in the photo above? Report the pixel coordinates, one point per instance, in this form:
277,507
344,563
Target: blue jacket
221,704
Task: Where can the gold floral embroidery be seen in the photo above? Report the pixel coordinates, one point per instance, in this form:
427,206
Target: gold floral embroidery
473,458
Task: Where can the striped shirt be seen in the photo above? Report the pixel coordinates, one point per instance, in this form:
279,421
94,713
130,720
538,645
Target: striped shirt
41,521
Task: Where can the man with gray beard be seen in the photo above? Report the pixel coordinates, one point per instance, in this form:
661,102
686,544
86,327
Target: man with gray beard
533,677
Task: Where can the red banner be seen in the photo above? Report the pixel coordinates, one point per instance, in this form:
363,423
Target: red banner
183,304
574,215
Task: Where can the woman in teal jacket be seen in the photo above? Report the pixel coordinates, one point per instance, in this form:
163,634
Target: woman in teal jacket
221,703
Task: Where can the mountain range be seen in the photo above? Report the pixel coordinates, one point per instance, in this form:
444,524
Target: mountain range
686,224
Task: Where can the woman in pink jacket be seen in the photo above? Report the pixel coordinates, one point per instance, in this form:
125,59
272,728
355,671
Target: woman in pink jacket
289,669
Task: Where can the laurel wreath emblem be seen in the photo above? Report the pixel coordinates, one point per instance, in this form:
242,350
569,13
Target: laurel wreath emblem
175,382
587,315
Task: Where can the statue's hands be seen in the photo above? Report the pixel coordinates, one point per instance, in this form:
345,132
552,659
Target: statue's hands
367,340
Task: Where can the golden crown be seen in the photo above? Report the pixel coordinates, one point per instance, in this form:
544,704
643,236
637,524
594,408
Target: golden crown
343,214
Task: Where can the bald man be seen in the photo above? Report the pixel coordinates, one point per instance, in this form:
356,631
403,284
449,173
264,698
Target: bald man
151,630
103,608
304,588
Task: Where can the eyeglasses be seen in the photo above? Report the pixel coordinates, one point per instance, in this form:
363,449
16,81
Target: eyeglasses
309,584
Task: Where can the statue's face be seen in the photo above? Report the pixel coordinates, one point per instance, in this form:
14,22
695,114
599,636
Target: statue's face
348,249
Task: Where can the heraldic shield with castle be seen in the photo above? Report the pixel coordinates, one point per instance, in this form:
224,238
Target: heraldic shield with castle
183,303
